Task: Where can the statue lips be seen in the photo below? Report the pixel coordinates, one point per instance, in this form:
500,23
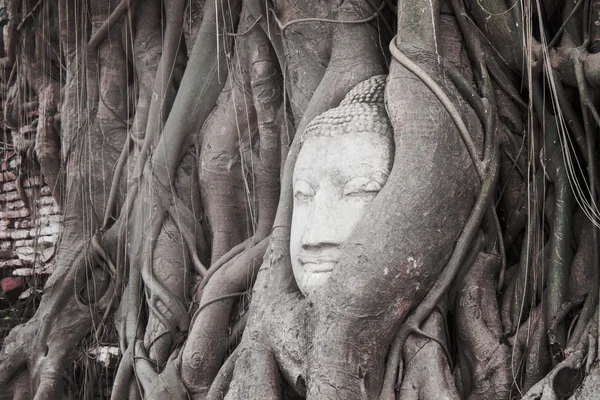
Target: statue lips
319,261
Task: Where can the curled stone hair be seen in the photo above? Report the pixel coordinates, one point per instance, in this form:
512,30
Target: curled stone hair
361,111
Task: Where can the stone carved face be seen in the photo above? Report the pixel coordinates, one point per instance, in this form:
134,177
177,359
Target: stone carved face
339,170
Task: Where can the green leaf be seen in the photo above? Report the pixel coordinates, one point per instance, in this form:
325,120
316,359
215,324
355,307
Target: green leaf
2,11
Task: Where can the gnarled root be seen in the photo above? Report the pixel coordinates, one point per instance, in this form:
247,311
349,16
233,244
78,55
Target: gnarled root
484,360
47,140
564,379
428,375
226,143
206,345
45,344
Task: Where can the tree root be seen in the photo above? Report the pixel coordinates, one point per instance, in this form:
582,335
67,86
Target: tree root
166,296
190,241
112,20
556,350
445,280
220,385
57,329
267,95
225,258
207,341
485,361
47,141
562,381
256,376
427,373
448,105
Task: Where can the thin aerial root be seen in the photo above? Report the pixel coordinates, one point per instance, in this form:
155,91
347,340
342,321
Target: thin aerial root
445,100
419,331
592,353
101,33
502,252
225,258
223,297
556,350
181,211
158,292
283,27
122,382
169,323
190,242
105,257
114,186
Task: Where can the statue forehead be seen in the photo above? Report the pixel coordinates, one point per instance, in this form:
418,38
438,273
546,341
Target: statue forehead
342,157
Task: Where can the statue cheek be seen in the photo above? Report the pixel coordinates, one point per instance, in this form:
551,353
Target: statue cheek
298,227
349,212
300,276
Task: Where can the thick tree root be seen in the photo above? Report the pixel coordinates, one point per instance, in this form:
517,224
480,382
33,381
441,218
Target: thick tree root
485,361
207,342
427,374
446,278
562,381
47,141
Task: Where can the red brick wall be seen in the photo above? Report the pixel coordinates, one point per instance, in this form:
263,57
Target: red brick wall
27,234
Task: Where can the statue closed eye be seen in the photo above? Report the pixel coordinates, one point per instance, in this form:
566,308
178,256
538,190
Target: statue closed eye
344,162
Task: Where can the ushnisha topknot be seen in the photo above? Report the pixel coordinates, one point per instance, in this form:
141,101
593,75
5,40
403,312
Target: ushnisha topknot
361,111
368,91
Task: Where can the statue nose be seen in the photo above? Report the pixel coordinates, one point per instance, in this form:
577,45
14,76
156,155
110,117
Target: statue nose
323,224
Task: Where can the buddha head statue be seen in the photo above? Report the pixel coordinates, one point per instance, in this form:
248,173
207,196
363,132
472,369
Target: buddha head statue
345,159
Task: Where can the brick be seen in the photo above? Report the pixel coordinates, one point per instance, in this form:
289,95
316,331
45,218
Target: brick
20,234
23,223
10,196
11,285
11,263
14,205
14,195
7,176
47,239
47,210
15,214
50,219
39,269
24,243
8,186
25,253
23,272
46,200
47,230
